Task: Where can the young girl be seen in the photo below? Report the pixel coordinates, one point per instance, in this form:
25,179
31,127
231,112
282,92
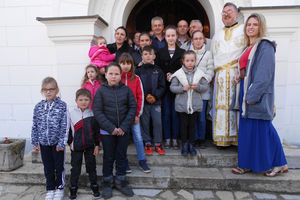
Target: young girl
134,83
169,59
91,81
188,83
114,109
49,135
100,55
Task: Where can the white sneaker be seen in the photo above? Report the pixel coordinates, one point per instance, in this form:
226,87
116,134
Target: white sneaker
50,195
59,194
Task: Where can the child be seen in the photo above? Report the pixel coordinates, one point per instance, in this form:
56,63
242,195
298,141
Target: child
49,136
100,55
170,61
188,83
114,109
134,83
83,139
154,86
91,81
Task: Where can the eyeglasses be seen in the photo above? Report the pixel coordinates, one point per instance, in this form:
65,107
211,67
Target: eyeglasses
48,90
227,12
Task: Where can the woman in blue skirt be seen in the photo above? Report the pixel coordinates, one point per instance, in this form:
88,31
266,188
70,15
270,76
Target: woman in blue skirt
259,148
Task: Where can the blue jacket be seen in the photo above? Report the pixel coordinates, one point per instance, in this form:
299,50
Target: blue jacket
153,80
50,124
260,87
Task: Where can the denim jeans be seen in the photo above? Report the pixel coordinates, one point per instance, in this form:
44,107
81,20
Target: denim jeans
114,150
138,140
201,123
170,117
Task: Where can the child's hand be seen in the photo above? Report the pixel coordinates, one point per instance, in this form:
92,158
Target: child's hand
121,132
115,132
140,64
237,78
186,87
194,86
59,149
136,120
96,151
36,148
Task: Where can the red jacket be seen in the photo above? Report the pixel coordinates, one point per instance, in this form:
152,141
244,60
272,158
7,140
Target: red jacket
137,89
92,88
100,58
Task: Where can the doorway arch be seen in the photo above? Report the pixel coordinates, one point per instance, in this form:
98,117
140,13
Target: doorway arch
171,11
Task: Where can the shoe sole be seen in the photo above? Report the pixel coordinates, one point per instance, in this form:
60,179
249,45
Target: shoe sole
145,171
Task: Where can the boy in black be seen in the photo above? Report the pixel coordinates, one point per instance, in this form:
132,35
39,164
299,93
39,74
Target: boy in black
154,83
83,139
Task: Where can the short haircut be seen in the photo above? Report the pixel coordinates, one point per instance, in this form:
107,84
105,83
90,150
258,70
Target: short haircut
196,21
48,80
189,52
157,18
148,49
113,64
83,92
171,27
100,38
182,20
231,4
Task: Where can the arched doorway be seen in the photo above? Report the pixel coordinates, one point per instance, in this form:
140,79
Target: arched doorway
170,10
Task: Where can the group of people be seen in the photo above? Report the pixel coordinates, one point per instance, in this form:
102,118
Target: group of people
171,78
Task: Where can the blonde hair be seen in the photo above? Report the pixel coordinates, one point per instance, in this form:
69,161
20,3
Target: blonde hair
100,38
48,80
262,27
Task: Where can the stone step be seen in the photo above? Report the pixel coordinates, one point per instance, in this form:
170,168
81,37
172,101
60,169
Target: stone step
173,177
209,157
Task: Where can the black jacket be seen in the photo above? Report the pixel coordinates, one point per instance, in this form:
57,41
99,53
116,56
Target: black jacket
153,80
123,49
114,107
167,63
84,130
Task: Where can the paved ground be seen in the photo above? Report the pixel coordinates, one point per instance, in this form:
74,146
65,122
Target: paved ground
21,192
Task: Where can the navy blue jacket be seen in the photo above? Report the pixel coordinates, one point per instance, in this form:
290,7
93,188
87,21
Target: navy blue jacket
114,107
260,89
153,80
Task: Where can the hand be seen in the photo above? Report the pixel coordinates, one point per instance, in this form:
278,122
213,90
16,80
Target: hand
96,151
59,149
186,87
136,120
121,132
169,74
140,64
115,132
36,148
250,103
194,86
237,78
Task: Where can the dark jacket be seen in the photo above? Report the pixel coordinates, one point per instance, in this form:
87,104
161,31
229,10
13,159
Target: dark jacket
138,55
84,130
125,48
114,107
153,81
260,90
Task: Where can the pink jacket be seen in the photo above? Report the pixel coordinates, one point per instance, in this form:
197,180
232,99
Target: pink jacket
92,88
100,58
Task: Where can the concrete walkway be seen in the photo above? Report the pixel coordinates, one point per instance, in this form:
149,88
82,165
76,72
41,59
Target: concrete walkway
21,192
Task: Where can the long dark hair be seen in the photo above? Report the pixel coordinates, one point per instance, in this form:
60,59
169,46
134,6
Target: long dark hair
127,59
85,77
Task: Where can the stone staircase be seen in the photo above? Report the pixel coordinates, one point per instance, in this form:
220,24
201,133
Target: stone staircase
209,170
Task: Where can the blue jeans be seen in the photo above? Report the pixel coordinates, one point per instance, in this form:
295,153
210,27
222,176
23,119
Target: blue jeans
201,123
138,140
170,117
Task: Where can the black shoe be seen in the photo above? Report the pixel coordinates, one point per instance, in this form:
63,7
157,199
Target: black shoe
185,149
95,189
121,183
128,169
192,150
73,192
107,185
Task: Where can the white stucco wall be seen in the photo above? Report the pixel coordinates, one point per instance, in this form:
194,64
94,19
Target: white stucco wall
27,55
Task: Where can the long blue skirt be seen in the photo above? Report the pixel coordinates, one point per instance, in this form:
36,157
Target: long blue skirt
259,146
